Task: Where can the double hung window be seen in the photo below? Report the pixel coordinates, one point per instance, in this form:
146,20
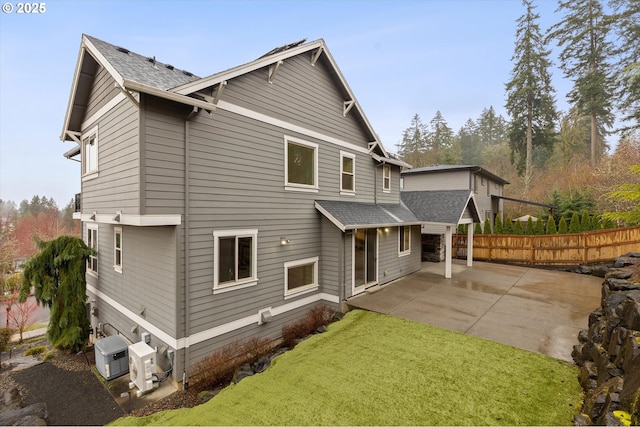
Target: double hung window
235,259
347,173
404,241
92,243
90,152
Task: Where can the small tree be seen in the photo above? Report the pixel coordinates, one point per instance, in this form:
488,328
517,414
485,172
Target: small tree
585,221
477,229
529,230
21,316
626,193
498,228
517,228
574,225
57,275
551,226
10,287
562,226
487,226
538,229
596,222
508,225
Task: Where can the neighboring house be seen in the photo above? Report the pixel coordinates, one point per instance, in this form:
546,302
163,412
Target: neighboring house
227,206
474,188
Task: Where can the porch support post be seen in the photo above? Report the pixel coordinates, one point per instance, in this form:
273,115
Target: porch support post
448,235
470,245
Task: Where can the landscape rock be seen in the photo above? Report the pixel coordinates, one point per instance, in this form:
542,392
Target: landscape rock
582,420
37,411
619,273
623,261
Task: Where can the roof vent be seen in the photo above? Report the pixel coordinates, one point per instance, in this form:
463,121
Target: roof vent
152,60
186,73
123,50
170,67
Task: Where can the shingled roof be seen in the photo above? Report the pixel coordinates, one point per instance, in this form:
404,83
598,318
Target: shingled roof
142,69
352,215
442,207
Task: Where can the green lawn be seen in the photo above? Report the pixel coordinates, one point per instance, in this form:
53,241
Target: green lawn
372,369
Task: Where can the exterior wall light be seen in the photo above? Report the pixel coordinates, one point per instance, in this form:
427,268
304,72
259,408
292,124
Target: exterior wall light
284,241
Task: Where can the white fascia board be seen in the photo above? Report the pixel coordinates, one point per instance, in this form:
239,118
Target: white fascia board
139,87
129,219
383,225
214,79
102,60
330,217
72,95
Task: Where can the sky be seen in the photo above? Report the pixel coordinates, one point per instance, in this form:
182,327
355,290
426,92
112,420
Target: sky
400,58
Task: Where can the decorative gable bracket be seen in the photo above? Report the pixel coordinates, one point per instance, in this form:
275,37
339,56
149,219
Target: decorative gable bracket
316,55
128,94
273,70
348,105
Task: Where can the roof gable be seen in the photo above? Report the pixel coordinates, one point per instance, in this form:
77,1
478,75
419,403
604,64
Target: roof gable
442,207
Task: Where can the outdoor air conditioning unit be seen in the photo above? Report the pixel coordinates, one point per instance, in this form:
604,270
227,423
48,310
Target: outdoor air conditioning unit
111,357
142,366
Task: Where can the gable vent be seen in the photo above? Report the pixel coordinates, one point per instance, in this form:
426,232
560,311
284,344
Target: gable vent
123,50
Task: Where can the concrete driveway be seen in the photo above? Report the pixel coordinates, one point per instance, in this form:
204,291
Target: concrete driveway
533,309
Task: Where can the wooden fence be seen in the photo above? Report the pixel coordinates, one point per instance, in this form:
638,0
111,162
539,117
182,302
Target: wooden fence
554,249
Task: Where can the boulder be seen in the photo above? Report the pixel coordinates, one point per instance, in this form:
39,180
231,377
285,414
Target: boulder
630,394
631,314
37,411
623,261
588,376
619,273
604,398
621,284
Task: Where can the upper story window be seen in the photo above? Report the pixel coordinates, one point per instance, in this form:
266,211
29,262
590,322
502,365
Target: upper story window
235,259
386,178
347,173
92,242
90,151
301,165
404,241
117,249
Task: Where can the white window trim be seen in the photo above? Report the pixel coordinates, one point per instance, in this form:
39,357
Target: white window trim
86,175
244,283
407,251
387,168
303,289
116,231
292,185
343,191
94,227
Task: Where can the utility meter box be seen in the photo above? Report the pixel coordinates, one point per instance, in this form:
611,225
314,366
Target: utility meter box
112,357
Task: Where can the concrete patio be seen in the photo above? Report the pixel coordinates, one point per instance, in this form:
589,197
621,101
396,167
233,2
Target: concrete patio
532,309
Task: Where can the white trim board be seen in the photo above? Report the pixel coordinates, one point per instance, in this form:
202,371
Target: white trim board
208,334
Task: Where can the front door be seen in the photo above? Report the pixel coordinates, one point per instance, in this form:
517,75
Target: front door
365,259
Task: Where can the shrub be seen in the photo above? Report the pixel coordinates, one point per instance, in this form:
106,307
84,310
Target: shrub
517,228
585,221
477,229
34,351
5,338
551,226
487,226
315,318
498,228
219,367
507,227
538,229
574,225
562,226
529,231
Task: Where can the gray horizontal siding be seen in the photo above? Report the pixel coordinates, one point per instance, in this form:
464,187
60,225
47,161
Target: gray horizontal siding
391,266
148,278
301,93
102,91
450,180
117,185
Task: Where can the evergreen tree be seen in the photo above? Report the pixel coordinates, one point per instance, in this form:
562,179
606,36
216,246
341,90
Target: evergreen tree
530,100
413,143
627,26
551,225
491,128
582,33
562,226
477,228
440,135
529,230
507,227
498,228
585,221
630,193
574,224
487,226
596,223
608,223
57,275
517,228
538,230
470,145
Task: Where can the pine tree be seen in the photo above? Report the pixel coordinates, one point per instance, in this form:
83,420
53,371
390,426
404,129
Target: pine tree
562,226
57,275
530,95
627,25
582,33
551,226
413,143
538,230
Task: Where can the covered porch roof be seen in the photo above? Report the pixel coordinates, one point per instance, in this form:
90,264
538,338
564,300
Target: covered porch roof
353,215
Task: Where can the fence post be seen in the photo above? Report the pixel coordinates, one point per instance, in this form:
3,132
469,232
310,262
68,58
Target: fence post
585,247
